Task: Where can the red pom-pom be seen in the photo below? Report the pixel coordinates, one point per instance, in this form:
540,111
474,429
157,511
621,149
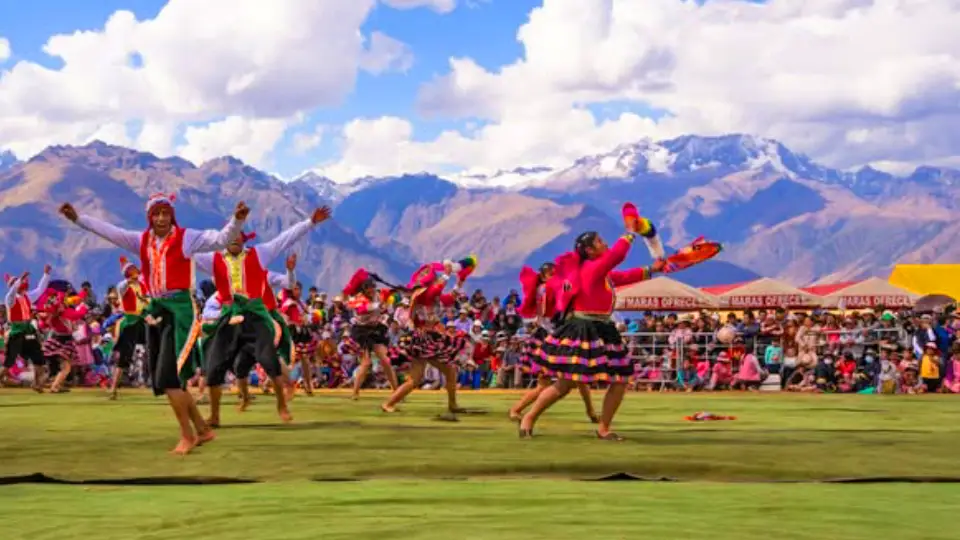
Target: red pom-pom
358,279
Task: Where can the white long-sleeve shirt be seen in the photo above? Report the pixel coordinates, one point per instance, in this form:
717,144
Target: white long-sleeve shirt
33,295
194,241
267,252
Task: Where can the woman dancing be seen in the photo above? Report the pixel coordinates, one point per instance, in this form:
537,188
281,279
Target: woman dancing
587,347
297,315
540,304
132,328
61,320
426,342
369,332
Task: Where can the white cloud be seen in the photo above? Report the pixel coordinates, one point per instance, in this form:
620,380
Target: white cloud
441,6
308,140
4,49
196,61
386,54
848,81
249,140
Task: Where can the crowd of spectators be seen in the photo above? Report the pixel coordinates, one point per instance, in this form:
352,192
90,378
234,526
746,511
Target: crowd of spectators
799,351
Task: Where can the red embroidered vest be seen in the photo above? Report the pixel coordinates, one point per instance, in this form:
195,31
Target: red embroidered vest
130,301
239,275
165,269
21,310
269,297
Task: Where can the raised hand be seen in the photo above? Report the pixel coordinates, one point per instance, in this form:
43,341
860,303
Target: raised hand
47,269
241,212
24,276
320,215
68,211
658,265
292,261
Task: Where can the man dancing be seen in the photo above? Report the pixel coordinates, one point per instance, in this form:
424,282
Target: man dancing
132,328
166,250
245,325
245,356
22,340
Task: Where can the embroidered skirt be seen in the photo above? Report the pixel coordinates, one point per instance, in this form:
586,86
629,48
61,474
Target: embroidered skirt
531,348
60,347
304,342
424,344
585,350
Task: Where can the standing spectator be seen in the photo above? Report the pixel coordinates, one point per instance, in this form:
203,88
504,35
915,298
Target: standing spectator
923,335
930,367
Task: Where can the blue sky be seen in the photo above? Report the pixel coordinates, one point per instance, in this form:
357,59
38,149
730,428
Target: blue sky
484,30
804,73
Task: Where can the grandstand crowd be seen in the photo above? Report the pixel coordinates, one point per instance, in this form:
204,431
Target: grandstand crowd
868,351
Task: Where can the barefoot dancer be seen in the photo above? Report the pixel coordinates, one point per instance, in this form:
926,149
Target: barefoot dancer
587,347
369,332
245,356
427,343
132,327
246,333
165,251
285,349
23,339
540,302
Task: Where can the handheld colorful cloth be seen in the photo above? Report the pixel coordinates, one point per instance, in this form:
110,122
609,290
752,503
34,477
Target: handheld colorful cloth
645,228
694,253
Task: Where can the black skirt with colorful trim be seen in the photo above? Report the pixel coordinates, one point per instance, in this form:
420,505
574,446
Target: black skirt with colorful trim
530,350
585,350
427,345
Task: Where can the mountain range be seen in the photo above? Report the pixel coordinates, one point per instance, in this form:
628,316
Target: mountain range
778,213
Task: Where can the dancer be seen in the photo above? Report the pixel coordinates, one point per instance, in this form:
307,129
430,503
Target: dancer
22,339
245,357
246,332
132,328
587,347
60,319
165,249
369,332
297,317
540,304
426,341
285,349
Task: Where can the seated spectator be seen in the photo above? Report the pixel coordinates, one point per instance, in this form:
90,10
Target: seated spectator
801,380
952,382
722,376
825,375
844,369
687,379
750,376
910,383
889,378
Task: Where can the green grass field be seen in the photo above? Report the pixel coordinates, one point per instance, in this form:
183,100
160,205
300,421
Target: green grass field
475,479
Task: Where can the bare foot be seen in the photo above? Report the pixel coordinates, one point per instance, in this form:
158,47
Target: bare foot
285,415
214,423
355,397
184,447
206,436
244,403
112,396
387,409
514,416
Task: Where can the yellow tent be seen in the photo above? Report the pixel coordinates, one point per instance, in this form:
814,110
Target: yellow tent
924,279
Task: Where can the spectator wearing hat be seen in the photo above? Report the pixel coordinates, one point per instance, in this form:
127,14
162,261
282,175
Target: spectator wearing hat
722,376
923,335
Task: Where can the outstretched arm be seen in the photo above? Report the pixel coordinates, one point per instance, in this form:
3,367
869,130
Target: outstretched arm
205,241
34,295
281,281
634,275
268,251
122,238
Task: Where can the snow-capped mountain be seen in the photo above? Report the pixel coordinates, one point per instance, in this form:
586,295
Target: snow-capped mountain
517,178
330,190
